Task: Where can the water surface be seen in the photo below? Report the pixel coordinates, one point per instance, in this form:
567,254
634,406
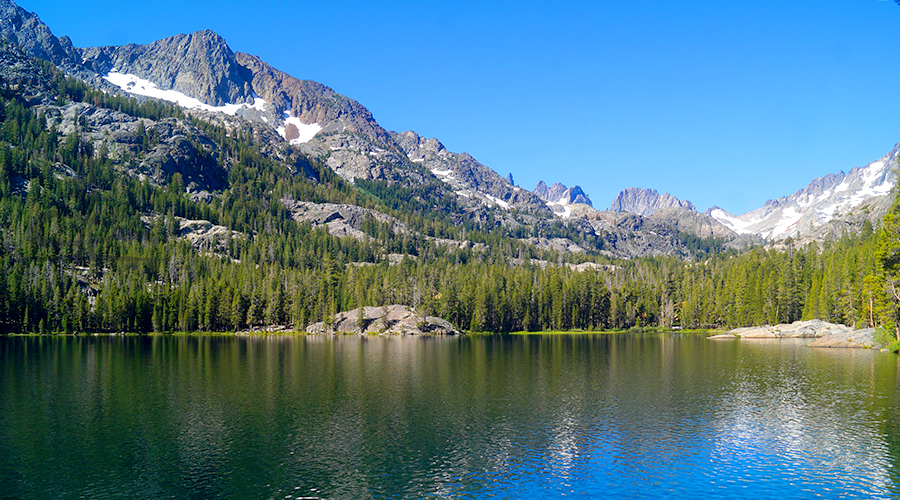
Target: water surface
574,416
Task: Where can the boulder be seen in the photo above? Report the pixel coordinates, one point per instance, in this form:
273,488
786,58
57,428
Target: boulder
385,320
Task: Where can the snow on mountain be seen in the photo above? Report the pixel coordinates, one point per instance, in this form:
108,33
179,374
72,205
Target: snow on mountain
559,194
820,202
134,84
297,132
560,198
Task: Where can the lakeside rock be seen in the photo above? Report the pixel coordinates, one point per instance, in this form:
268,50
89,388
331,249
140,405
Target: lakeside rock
862,339
825,334
385,320
814,328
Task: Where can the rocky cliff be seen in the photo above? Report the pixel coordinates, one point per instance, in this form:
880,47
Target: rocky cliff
646,201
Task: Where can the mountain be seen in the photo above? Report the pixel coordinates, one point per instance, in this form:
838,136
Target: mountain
646,201
239,91
200,71
199,65
559,194
824,206
25,29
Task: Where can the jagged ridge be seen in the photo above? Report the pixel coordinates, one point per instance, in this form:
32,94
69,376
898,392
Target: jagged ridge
646,201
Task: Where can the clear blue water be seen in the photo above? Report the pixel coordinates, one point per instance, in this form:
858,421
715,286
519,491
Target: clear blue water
556,416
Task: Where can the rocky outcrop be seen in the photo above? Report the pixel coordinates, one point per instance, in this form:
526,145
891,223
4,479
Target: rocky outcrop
385,320
355,157
690,221
561,195
646,201
177,146
341,220
627,235
825,334
562,245
799,329
862,339
20,71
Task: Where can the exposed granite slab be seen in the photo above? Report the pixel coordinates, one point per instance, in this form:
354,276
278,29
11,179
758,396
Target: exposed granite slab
814,328
825,334
386,320
863,339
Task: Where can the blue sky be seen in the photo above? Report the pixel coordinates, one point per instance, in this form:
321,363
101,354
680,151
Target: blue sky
718,102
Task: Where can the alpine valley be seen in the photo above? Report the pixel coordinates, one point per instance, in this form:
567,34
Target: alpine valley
181,185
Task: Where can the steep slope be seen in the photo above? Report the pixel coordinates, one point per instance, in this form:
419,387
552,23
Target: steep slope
807,213
200,71
467,177
646,201
311,102
329,126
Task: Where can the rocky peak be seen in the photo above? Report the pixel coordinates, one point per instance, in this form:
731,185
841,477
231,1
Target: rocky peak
27,30
559,194
646,201
200,65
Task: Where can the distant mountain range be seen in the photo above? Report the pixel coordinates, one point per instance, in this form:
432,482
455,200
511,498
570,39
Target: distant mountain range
823,206
200,72
827,207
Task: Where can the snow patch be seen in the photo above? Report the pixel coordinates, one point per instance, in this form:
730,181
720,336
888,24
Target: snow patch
736,224
498,201
789,218
297,132
134,84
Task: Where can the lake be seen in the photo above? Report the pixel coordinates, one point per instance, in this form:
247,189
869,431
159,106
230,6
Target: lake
538,416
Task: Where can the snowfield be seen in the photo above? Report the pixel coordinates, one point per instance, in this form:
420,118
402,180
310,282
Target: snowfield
306,131
134,84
